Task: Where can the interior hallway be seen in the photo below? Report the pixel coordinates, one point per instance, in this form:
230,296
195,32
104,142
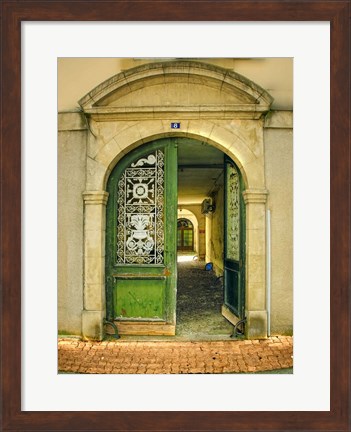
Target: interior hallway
199,301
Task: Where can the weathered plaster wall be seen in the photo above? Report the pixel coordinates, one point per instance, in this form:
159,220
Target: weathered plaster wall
278,142
71,184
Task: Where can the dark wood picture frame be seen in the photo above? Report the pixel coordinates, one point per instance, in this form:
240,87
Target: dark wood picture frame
13,13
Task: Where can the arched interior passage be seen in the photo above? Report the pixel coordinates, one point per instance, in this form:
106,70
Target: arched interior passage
200,283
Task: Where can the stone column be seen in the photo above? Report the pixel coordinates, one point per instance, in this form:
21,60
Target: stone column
94,264
256,312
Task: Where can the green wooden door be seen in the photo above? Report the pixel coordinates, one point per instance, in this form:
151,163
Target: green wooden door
234,249
141,235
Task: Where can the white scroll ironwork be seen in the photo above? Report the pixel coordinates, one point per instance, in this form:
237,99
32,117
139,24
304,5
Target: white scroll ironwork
233,213
140,217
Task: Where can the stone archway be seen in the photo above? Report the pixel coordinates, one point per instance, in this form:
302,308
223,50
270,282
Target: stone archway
126,111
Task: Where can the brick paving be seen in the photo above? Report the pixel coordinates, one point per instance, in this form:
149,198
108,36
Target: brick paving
174,357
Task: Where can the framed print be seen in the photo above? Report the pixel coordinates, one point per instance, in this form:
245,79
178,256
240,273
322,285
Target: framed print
34,36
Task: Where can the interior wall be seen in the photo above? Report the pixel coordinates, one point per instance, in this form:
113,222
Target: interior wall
208,222
215,243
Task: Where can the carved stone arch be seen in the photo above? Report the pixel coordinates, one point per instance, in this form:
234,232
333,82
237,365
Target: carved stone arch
110,154
212,104
217,87
249,161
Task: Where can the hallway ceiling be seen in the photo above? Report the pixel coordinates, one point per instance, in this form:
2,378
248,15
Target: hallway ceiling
200,171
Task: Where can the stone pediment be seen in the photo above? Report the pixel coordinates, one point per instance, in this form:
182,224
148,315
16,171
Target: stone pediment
187,88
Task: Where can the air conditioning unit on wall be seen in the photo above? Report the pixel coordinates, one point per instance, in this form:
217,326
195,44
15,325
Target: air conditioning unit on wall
207,206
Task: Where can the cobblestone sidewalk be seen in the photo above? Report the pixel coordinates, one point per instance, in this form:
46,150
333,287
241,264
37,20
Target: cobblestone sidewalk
140,357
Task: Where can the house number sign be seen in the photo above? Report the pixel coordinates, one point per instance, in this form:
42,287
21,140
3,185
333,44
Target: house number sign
175,125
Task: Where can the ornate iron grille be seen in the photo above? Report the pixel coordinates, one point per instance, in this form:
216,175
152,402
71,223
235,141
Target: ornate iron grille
140,212
233,213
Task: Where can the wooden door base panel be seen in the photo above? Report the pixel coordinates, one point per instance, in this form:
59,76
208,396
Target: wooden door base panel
233,319
134,328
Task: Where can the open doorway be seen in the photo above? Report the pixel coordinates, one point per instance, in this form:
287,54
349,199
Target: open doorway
200,242
143,293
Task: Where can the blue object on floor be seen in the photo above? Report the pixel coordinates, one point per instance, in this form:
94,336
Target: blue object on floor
209,266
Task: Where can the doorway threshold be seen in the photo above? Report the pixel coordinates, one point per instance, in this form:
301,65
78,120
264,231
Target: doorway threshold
178,338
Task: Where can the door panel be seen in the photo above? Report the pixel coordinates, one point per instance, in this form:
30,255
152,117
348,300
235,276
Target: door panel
185,240
188,239
142,298
185,235
234,250
140,245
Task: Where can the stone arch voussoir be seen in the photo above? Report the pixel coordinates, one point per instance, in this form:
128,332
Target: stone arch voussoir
112,152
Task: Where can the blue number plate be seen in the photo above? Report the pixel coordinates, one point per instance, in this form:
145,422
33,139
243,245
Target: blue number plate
175,125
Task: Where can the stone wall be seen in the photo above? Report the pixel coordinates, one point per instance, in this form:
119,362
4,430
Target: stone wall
278,139
71,185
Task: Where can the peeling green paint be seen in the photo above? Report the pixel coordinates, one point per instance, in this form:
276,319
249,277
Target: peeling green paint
140,299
